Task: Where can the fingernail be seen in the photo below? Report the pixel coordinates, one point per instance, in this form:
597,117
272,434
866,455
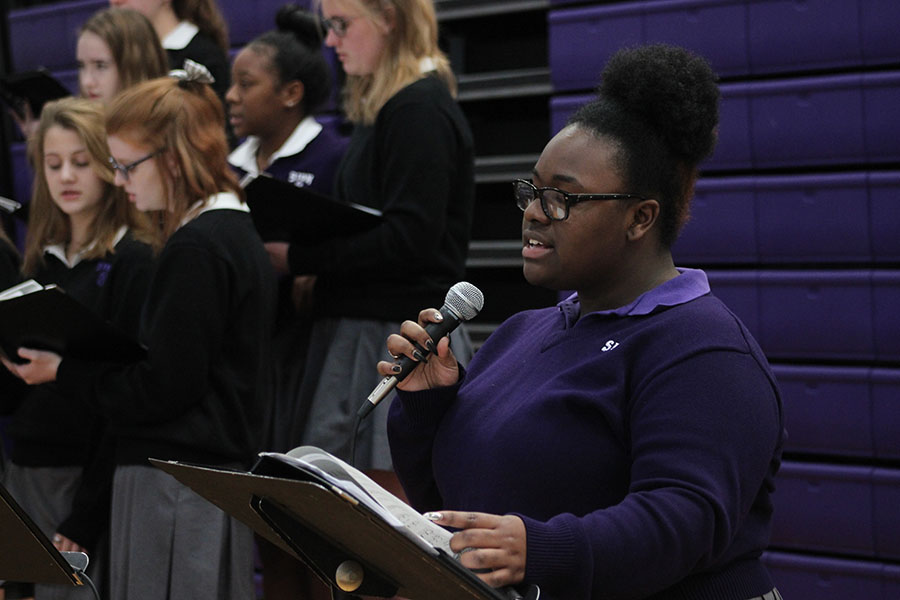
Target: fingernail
395,368
438,316
434,516
430,345
419,356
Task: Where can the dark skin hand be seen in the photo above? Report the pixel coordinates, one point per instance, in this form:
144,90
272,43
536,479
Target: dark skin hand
495,542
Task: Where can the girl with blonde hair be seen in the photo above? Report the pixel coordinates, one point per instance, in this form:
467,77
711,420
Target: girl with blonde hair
200,394
84,237
411,157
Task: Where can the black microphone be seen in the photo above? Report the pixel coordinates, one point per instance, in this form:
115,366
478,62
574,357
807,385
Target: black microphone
462,303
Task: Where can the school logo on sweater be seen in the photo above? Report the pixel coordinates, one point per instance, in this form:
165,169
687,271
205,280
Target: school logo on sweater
609,346
102,271
301,179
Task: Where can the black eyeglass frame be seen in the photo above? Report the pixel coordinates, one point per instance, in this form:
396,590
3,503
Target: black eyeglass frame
126,169
568,199
338,25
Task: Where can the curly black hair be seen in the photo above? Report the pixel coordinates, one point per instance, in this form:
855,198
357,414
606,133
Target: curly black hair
296,52
659,105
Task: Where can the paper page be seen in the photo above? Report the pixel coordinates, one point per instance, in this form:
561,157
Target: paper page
26,287
357,484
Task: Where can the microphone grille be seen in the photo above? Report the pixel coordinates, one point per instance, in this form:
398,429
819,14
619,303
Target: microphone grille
465,300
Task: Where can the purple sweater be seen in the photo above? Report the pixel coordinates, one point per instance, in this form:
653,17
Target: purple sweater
638,445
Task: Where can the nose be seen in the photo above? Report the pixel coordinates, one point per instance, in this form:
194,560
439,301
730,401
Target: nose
534,212
118,178
231,94
67,172
85,78
331,38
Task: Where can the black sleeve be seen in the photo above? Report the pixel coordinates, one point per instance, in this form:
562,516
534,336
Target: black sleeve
184,323
419,150
88,520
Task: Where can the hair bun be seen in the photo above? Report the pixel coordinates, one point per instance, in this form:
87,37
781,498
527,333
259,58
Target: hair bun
305,25
672,90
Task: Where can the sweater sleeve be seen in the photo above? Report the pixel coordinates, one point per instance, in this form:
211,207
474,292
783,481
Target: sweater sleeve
417,146
704,434
412,423
183,327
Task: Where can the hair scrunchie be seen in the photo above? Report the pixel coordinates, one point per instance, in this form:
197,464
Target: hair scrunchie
193,72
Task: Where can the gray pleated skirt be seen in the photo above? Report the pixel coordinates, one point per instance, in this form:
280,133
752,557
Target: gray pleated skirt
46,494
169,543
338,375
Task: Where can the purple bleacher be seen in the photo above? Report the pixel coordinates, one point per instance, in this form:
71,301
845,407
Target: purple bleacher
582,39
249,18
734,146
827,410
813,218
878,27
809,121
739,37
799,577
836,217
825,120
886,491
807,496
881,97
21,185
46,35
886,314
722,227
884,199
886,413
21,173
816,315
813,34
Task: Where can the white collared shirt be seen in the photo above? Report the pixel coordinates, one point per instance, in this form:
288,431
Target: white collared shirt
244,156
59,250
181,36
220,201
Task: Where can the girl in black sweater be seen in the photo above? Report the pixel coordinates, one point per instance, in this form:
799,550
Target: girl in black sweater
84,237
199,396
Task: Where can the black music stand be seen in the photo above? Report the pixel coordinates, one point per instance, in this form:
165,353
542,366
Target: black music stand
344,542
26,555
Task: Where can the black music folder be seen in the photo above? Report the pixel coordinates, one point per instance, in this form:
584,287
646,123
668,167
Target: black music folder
34,87
356,536
282,211
46,318
26,555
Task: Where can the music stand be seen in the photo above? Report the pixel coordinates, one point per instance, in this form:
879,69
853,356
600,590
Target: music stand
346,544
26,555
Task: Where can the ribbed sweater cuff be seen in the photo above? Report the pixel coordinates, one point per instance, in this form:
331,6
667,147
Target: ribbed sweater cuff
427,406
550,553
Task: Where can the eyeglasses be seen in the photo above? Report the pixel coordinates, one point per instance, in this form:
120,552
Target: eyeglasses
126,169
554,202
338,25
